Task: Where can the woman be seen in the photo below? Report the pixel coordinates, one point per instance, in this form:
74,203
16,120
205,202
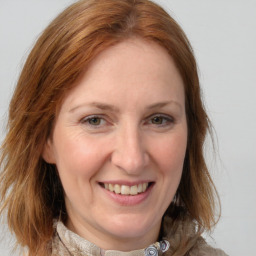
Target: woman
104,149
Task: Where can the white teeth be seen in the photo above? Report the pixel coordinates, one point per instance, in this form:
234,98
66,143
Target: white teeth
117,189
140,188
144,186
134,190
126,190
111,187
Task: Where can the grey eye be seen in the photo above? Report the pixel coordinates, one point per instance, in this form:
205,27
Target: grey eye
94,121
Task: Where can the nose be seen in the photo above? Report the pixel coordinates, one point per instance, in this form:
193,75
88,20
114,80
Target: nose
130,153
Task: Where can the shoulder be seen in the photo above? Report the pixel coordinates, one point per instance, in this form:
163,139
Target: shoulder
185,238
201,248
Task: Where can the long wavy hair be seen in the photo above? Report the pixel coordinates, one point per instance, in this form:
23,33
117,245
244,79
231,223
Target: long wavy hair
31,194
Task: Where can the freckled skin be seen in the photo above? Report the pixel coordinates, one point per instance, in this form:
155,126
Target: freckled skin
125,120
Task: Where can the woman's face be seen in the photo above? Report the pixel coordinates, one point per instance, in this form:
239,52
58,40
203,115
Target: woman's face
119,144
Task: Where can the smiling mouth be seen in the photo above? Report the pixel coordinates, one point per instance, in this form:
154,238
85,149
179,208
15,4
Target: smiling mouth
127,190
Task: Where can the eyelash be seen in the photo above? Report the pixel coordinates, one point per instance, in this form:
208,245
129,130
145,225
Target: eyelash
87,120
166,120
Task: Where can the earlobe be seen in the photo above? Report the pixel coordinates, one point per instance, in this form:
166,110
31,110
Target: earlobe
48,154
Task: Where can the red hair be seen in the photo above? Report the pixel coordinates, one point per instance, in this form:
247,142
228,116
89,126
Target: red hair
30,190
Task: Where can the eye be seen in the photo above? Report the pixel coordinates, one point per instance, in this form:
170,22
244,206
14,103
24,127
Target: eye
93,121
157,120
161,120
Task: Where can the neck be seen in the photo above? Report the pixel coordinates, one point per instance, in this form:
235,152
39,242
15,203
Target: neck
106,241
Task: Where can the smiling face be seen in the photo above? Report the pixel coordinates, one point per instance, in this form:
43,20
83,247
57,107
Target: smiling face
119,144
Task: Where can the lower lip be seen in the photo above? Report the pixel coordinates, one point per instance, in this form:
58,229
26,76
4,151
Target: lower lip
126,200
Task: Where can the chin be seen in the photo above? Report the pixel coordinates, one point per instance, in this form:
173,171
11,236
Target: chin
131,226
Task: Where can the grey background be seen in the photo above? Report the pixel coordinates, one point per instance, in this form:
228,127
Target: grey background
223,34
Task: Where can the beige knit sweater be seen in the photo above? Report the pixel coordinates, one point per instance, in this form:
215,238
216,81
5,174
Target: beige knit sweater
183,242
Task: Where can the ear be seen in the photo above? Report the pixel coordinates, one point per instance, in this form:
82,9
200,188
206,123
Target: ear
48,152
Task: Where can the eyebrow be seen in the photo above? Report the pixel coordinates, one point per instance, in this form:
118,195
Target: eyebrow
108,107
163,104
98,105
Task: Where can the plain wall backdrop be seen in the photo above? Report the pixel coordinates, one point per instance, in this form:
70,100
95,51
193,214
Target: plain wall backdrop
223,35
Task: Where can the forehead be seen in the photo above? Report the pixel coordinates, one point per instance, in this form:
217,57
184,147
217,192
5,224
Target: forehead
132,70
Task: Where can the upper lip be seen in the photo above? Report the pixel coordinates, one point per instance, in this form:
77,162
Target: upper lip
127,183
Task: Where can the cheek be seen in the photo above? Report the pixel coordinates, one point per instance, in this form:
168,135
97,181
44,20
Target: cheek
78,160
78,155
169,153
